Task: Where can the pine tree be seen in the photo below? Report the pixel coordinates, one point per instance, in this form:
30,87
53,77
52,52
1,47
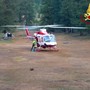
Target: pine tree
26,12
7,12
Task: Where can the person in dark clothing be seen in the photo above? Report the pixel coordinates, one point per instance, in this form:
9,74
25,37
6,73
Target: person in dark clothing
9,35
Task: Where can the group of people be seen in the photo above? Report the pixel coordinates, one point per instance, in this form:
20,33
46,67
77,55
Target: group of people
7,35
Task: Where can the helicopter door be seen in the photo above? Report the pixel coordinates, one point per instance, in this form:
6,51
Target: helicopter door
40,39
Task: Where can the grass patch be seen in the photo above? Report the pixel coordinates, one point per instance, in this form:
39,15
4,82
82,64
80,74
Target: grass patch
6,41
1,35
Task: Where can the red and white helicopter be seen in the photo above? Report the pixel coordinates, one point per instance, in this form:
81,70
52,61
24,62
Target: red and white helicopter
44,39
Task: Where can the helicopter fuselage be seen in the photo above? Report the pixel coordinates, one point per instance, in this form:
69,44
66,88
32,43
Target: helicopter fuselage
46,41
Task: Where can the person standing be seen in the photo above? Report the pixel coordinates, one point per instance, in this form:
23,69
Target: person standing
34,45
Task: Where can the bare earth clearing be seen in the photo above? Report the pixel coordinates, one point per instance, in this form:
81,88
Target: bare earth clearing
67,69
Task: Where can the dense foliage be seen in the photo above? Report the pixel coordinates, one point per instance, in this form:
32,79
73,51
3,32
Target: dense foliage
66,12
30,12
16,11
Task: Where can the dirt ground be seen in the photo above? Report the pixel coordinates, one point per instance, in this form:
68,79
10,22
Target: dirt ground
67,69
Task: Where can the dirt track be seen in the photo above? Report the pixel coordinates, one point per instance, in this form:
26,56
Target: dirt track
67,69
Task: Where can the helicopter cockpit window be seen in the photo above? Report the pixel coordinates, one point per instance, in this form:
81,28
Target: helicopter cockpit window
50,38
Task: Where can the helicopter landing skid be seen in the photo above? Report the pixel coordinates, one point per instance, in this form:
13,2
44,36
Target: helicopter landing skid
47,50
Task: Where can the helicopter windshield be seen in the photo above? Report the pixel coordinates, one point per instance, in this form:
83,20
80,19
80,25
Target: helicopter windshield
50,38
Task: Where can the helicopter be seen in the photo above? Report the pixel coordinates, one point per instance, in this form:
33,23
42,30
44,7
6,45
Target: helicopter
43,38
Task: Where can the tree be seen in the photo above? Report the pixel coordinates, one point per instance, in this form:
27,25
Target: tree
50,11
25,12
71,12
7,15
63,12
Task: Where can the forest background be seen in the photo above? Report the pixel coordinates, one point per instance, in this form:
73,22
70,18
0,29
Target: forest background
42,12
